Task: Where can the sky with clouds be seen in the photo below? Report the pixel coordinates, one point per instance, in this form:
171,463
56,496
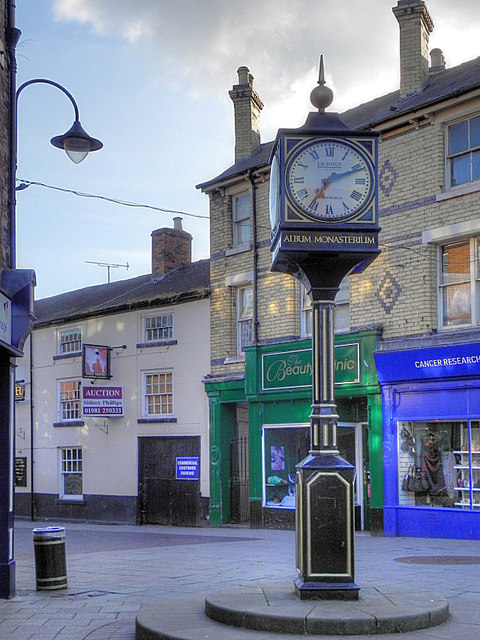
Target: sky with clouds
151,79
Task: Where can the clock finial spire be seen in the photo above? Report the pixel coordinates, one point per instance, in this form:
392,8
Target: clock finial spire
321,97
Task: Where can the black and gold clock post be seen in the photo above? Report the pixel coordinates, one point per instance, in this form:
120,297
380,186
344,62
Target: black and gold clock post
323,209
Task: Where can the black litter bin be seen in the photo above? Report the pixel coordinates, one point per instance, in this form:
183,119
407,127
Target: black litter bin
50,563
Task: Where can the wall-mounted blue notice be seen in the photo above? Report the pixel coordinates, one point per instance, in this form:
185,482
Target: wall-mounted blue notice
187,468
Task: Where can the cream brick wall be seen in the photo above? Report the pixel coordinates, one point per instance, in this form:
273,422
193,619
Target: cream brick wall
277,294
406,265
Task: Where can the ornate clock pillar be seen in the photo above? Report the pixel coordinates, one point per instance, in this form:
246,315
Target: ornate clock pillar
323,210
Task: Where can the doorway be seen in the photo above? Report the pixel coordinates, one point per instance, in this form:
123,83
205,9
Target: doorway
240,468
167,494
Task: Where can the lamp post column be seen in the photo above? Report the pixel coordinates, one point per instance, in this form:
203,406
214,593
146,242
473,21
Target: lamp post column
16,291
324,417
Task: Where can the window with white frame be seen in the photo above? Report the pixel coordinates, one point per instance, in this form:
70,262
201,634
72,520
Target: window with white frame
69,400
464,151
306,313
158,393
341,317
459,283
241,219
70,341
244,317
342,307
71,473
158,327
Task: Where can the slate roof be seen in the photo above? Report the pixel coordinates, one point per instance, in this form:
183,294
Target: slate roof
449,83
179,285
258,158
441,86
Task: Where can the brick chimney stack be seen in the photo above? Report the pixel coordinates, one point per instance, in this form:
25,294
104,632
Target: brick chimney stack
171,248
415,28
247,108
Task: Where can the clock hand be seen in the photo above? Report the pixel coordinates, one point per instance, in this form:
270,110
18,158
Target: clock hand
337,176
319,193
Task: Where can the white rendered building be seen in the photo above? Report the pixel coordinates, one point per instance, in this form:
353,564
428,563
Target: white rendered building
111,412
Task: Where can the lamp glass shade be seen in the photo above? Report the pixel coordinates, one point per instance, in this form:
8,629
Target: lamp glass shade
76,143
76,149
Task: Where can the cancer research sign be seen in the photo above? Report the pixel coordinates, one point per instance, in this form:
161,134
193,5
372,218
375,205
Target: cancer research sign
456,361
102,401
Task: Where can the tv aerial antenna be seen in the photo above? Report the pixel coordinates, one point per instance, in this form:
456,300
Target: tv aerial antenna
109,265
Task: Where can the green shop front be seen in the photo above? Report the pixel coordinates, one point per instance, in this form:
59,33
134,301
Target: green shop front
259,431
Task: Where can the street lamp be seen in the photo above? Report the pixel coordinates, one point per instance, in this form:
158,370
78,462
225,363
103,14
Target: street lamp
16,301
76,143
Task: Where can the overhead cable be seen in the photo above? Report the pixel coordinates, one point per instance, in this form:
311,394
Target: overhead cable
23,184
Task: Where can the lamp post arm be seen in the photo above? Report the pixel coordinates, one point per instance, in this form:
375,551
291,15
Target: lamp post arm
54,84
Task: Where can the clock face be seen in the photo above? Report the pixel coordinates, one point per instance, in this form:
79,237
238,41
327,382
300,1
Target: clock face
330,179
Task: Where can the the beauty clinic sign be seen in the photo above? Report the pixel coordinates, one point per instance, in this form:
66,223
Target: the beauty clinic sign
439,362
293,369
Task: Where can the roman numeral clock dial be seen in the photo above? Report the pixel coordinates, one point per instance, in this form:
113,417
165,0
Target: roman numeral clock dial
330,179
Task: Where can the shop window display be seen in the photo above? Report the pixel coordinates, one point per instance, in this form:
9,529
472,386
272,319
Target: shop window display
439,464
284,447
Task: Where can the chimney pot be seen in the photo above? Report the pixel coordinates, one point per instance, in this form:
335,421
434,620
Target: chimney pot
244,76
437,60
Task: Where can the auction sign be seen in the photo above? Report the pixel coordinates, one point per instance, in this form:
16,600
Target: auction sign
102,401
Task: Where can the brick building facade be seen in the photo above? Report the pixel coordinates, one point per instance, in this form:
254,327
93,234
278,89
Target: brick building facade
416,303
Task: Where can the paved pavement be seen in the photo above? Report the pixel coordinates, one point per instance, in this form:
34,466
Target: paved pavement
115,571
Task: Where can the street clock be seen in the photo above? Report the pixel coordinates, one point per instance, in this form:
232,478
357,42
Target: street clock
323,213
323,191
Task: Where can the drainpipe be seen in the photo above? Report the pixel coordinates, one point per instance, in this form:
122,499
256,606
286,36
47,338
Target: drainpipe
33,510
13,36
255,256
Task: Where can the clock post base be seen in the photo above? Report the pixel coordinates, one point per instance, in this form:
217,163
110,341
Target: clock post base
325,590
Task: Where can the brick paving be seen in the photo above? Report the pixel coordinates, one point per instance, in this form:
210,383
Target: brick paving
114,571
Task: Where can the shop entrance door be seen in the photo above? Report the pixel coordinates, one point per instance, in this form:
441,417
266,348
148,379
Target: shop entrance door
240,468
163,498
350,445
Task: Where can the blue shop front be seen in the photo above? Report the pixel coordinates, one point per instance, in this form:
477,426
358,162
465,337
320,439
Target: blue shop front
431,441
